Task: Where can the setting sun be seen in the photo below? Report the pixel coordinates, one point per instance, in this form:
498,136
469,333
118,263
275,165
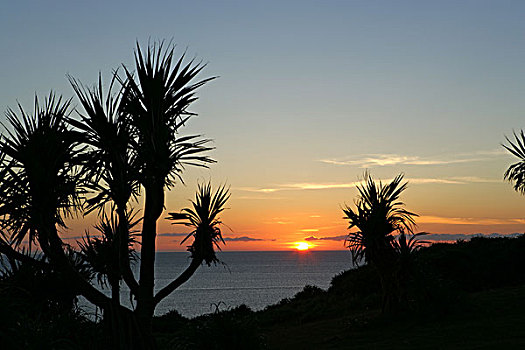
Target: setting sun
302,245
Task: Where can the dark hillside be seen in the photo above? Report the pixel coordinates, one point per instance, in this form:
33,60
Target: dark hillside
462,295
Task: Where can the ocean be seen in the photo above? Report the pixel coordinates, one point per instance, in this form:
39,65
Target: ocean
256,279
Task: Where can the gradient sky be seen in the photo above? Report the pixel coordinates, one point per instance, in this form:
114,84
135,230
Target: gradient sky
310,94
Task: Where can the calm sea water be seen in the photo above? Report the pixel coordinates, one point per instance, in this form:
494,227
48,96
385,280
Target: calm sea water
256,279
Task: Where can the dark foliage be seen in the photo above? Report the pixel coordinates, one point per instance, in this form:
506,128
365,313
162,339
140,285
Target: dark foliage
235,329
38,311
478,264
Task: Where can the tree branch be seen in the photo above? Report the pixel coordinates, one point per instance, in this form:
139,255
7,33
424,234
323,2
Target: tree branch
127,276
11,253
184,276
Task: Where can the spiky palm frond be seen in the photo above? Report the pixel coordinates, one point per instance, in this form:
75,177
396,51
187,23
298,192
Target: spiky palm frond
110,163
516,172
156,102
405,247
40,168
204,219
102,252
378,214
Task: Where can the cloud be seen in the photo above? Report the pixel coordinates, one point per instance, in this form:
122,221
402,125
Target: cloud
475,179
245,239
301,186
330,238
79,237
390,159
455,180
279,222
173,234
258,197
260,190
420,181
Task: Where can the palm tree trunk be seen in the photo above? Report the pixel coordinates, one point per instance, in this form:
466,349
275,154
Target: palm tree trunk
389,287
125,331
123,241
115,291
53,249
153,206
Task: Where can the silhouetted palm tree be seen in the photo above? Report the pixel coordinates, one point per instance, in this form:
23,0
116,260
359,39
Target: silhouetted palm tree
405,262
378,217
203,218
406,247
42,185
123,142
102,252
516,172
110,163
155,102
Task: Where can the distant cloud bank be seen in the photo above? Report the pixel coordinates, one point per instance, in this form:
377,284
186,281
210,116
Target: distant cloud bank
441,237
434,237
330,238
428,219
226,239
245,239
173,234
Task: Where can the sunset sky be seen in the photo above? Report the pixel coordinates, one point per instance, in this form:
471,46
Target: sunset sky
310,95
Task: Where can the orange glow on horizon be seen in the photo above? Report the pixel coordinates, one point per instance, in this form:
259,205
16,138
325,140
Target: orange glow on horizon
302,245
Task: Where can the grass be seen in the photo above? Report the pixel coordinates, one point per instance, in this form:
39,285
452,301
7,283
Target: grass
487,320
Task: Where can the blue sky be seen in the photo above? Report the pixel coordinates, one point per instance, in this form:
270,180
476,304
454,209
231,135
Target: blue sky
312,92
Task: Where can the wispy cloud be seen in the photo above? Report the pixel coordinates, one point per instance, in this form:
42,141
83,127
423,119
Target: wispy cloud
301,186
260,197
260,190
474,179
454,180
372,160
329,238
320,186
278,222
